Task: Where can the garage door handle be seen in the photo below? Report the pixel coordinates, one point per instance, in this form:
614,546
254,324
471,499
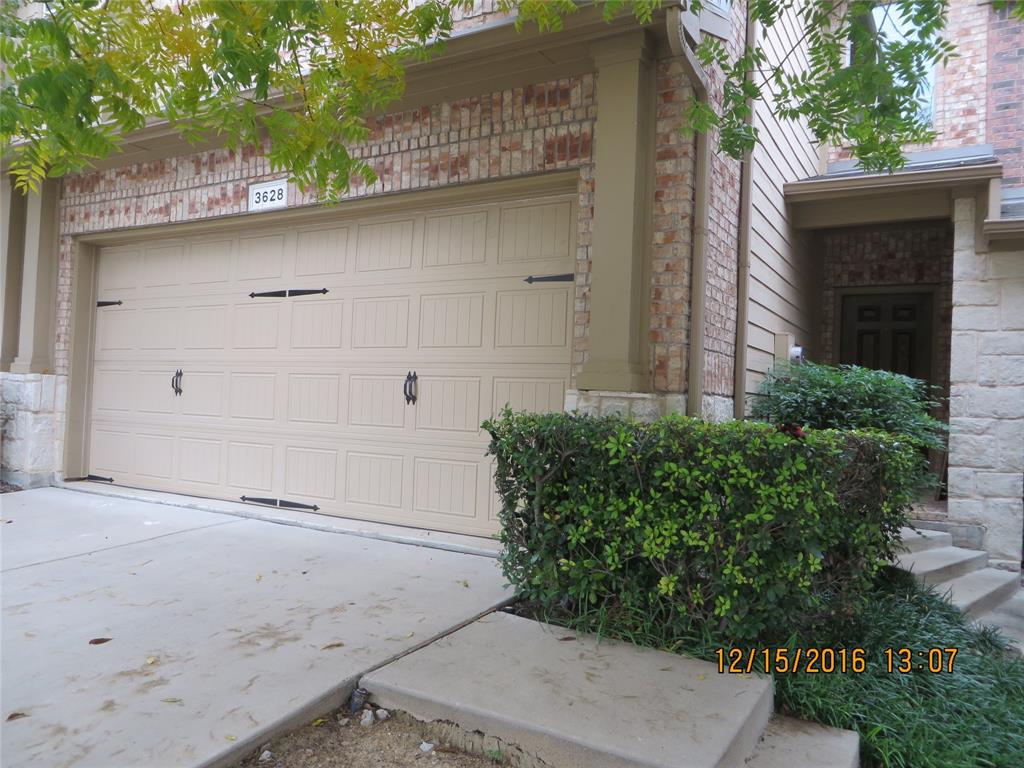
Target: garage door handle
176,383
407,388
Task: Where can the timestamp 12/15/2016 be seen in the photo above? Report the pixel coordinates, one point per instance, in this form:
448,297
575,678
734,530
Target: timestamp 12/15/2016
831,660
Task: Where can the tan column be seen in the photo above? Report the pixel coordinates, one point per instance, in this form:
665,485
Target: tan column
623,141
12,248
38,281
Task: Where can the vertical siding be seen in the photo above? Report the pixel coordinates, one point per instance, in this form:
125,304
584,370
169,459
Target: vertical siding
782,282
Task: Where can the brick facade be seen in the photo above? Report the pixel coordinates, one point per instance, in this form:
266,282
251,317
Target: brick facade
1005,114
521,131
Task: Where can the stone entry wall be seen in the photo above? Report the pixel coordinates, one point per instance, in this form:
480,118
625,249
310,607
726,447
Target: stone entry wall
32,413
986,442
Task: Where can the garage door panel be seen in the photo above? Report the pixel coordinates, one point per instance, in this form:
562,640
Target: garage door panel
154,455
322,251
451,320
532,318
536,232
542,395
200,460
377,401
374,479
301,397
445,487
311,472
209,263
153,393
459,239
380,323
317,324
256,326
118,271
116,330
387,245
158,328
448,404
111,451
114,390
162,266
204,326
253,396
250,465
205,393
313,398
260,258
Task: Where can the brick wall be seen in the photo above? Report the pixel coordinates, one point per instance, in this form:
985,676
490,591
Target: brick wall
722,243
1005,115
896,254
673,232
528,130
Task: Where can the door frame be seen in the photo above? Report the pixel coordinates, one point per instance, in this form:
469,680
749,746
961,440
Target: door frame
930,289
85,250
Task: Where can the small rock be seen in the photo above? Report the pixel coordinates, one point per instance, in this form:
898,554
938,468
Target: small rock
343,721
266,756
383,714
426,747
367,719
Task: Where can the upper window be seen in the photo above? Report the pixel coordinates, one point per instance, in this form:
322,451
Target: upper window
890,25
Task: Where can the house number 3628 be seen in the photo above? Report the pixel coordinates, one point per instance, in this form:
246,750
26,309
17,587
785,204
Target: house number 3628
273,194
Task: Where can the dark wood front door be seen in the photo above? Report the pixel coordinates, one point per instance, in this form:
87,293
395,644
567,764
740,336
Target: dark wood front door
888,331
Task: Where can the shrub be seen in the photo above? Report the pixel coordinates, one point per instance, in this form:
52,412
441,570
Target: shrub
849,397
733,528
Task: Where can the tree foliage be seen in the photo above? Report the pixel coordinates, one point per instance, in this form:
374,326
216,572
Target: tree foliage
303,75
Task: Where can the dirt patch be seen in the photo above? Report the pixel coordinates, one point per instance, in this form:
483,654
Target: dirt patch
393,743
8,488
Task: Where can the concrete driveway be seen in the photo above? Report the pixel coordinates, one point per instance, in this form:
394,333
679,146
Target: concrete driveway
221,629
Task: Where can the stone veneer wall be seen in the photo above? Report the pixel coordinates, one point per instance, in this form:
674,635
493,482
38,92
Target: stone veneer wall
904,255
986,443
32,418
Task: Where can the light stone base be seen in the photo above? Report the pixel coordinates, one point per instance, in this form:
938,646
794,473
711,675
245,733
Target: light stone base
986,404
642,406
717,407
32,418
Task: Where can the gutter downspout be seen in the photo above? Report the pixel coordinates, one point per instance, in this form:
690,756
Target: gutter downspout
702,193
739,385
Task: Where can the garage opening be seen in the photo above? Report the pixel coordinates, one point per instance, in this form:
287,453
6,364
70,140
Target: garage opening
343,366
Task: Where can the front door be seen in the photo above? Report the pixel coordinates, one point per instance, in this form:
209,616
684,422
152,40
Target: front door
888,331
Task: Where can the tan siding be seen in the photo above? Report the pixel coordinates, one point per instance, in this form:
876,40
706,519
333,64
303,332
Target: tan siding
781,273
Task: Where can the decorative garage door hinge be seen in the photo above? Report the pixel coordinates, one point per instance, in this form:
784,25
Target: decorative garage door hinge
117,303
568,277
286,294
280,503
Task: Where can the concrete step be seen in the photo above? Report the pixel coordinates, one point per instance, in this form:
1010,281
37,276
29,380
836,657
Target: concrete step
933,566
980,591
572,702
917,541
791,743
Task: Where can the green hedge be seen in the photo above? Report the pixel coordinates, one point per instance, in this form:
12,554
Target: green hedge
734,529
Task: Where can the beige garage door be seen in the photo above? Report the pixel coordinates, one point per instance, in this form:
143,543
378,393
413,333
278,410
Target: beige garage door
297,396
